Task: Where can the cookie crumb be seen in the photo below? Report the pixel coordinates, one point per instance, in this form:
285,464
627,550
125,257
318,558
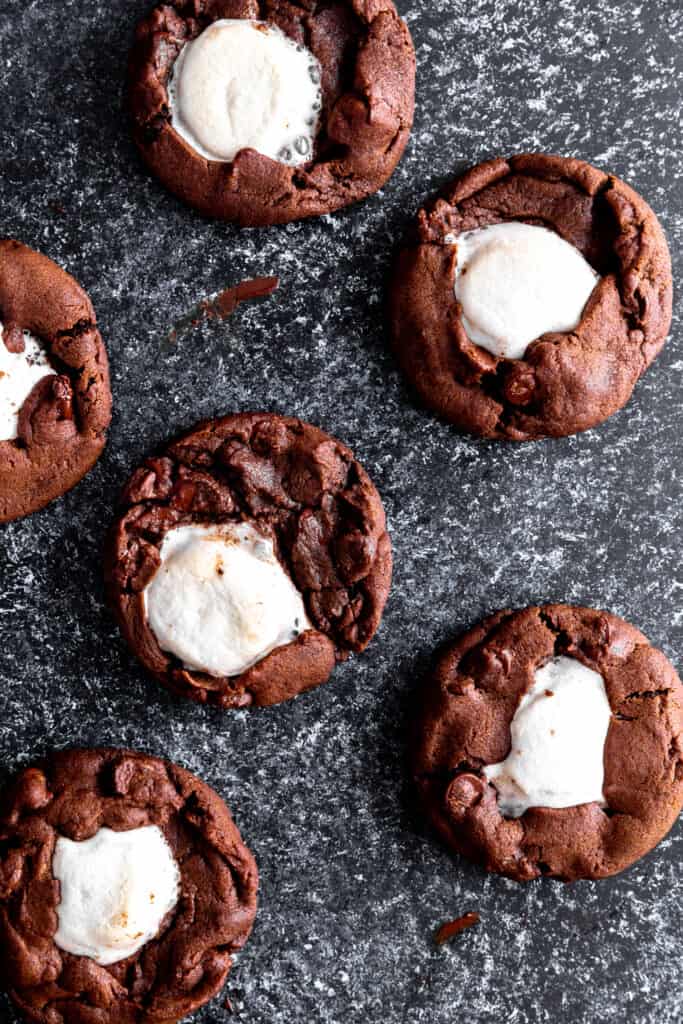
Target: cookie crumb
450,929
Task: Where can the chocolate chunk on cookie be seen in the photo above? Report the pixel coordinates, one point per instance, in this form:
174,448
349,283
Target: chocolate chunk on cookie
55,401
268,112
124,889
551,743
249,557
533,296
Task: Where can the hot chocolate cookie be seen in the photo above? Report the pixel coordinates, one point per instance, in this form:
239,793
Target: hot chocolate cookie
551,743
534,295
124,889
263,113
249,557
55,402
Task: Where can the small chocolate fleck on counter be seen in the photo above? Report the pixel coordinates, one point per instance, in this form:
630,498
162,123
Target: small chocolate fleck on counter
450,929
223,304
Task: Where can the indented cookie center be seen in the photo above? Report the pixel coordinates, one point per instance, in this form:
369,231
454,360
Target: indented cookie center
516,282
116,890
19,374
245,85
558,736
220,600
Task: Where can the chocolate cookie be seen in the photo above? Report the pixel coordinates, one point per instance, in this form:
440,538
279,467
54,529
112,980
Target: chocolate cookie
267,112
248,558
124,889
551,743
533,296
55,402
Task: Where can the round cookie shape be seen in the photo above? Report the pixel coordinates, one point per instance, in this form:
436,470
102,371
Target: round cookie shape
55,400
282,491
586,364
81,795
362,60
466,732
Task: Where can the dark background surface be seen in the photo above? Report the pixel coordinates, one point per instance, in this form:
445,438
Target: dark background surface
353,885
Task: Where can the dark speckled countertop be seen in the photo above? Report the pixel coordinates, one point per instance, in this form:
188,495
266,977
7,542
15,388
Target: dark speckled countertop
352,884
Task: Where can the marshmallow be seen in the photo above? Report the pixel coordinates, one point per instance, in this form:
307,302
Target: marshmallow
220,600
558,738
116,889
19,374
516,282
245,85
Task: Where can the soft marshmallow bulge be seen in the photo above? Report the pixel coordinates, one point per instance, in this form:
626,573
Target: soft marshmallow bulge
19,374
516,282
558,738
244,84
220,600
116,889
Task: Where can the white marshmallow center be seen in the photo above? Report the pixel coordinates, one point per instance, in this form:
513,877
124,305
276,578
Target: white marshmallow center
245,85
516,282
19,374
116,889
220,600
558,738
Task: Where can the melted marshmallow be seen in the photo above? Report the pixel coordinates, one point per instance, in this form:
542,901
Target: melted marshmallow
116,889
558,738
245,85
220,600
516,282
19,374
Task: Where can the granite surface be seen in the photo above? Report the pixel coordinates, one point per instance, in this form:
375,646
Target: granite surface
353,884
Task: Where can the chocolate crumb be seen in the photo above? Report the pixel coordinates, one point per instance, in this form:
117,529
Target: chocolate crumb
452,928
227,301
224,304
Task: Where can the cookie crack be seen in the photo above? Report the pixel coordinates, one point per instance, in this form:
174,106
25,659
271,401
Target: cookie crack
648,694
81,327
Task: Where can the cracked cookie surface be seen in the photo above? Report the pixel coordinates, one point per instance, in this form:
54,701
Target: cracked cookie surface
63,421
566,382
301,489
465,725
368,85
72,794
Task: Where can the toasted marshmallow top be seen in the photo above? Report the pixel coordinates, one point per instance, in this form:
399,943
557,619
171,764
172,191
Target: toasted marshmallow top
19,374
220,600
245,85
516,282
116,889
558,738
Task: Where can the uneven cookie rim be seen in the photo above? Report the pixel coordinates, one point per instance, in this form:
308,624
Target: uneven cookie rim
36,294
460,803
203,812
235,191
307,661
548,392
